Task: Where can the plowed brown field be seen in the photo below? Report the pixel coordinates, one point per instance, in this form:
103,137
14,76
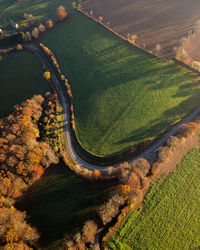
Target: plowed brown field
162,22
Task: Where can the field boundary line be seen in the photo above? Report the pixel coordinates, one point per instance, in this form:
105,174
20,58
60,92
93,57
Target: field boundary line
116,33
178,62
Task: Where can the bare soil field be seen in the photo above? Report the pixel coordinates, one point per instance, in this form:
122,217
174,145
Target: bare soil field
153,21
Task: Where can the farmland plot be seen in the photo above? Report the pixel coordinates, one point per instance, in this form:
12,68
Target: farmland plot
20,78
170,216
153,21
122,96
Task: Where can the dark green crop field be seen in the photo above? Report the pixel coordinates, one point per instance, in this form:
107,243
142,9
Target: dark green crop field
170,216
60,202
20,78
122,96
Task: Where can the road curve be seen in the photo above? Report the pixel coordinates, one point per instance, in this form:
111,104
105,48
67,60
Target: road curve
148,154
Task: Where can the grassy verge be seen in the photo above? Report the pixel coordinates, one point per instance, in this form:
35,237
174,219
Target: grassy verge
60,202
20,78
122,96
169,218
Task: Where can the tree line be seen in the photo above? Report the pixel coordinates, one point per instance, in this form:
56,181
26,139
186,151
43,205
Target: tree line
23,158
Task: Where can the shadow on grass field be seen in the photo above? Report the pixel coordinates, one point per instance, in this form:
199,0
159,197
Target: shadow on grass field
119,91
20,78
60,202
4,4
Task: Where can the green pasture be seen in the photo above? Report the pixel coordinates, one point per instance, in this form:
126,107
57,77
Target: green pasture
21,77
122,95
170,216
4,4
60,202
41,10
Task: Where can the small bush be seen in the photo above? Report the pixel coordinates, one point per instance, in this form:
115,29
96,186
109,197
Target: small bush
35,33
155,170
89,231
41,28
188,129
173,141
110,209
143,165
163,154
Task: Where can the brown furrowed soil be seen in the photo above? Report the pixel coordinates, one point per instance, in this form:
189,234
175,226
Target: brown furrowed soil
153,21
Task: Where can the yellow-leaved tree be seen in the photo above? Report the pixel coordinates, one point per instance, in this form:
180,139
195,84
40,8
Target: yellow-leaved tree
47,75
19,47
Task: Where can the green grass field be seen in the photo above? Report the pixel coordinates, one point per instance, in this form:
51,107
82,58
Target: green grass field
122,96
40,9
60,202
170,216
20,78
4,4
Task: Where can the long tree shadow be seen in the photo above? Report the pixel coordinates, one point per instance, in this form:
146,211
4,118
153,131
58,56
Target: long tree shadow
158,126
61,201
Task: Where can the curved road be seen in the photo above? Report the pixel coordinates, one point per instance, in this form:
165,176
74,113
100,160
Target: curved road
149,154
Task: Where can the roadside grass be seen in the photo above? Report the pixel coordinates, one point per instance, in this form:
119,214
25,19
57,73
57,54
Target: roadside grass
60,202
169,218
20,78
122,96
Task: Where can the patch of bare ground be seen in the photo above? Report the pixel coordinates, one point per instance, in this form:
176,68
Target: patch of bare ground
153,21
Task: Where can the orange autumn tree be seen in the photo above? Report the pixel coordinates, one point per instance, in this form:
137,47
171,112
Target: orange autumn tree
96,174
61,13
124,189
19,47
49,24
22,156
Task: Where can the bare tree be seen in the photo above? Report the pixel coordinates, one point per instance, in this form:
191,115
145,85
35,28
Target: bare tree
89,231
133,38
100,19
158,49
91,12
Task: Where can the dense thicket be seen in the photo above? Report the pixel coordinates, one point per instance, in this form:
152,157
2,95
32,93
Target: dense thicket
23,158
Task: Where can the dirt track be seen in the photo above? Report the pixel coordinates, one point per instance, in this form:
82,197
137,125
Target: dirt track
153,21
